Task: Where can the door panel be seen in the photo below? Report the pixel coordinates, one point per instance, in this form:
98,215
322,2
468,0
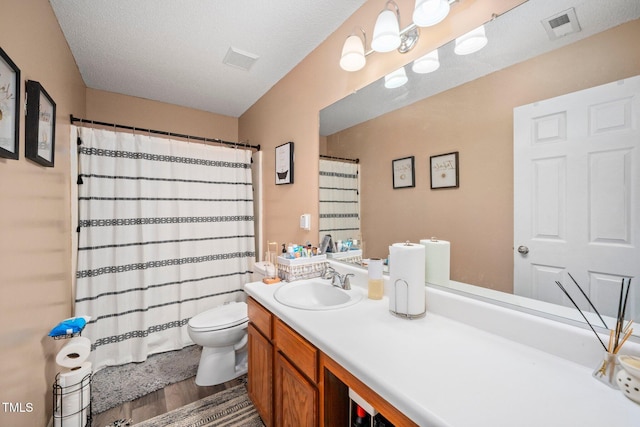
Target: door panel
260,374
296,397
577,204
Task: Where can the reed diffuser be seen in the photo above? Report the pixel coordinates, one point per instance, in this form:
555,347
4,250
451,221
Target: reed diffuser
607,370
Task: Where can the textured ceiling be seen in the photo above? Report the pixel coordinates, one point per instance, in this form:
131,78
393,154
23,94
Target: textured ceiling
513,37
173,50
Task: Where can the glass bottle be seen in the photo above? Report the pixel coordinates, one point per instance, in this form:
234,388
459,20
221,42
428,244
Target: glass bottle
376,282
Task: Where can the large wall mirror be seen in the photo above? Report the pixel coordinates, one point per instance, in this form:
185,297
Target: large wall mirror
467,106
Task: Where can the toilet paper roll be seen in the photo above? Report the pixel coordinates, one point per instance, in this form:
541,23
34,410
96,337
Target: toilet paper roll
71,379
74,396
74,353
75,420
437,261
406,275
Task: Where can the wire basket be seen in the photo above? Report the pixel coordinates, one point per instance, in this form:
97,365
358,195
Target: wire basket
302,271
72,403
67,336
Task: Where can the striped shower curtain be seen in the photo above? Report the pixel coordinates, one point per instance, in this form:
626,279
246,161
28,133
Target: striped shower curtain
339,206
165,232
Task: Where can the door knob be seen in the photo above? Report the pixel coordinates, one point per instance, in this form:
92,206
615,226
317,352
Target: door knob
523,250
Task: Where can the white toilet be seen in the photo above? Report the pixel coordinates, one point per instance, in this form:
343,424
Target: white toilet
222,333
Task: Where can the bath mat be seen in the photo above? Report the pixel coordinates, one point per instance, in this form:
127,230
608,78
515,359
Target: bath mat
114,385
228,408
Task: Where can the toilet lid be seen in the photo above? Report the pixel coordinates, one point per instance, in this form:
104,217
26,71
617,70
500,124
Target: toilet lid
221,317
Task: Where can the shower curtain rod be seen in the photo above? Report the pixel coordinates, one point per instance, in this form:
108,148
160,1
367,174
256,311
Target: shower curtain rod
340,158
160,132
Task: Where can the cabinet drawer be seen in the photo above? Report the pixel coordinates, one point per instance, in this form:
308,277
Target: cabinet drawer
303,354
260,317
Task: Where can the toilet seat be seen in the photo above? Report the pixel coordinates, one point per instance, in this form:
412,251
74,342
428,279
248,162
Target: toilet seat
222,317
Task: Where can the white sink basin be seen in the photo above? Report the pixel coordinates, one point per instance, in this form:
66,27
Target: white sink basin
316,294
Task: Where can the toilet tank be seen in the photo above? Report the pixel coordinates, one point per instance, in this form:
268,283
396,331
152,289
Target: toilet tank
259,270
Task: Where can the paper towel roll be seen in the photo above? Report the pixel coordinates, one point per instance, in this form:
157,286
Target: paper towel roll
406,266
437,261
74,396
74,353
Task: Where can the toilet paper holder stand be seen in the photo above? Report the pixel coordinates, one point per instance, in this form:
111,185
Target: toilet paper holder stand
72,402
406,314
81,414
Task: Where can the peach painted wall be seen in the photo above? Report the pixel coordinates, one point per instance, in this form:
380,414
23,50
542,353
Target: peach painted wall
474,119
35,249
289,111
36,272
132,111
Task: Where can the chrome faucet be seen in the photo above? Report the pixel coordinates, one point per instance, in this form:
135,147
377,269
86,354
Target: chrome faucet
337,279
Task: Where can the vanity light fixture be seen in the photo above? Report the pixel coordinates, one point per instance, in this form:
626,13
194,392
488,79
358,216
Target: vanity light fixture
427,63
387,35
430,12
395,78
386,32
471,42
353,56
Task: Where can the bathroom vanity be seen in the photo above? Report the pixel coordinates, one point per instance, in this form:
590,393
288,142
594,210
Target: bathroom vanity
466,363
291,382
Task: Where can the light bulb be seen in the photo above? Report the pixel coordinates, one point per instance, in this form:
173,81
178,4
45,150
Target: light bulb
427,63
471,42
430,12
395,79
386,33
352,58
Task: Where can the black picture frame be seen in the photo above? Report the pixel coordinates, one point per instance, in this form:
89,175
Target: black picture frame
404,172
40,127
9,107
445,170
284,164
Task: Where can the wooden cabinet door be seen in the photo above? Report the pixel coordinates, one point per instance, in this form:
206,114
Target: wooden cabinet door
260,374
296,397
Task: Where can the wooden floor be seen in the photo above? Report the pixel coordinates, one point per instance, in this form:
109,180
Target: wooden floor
164,400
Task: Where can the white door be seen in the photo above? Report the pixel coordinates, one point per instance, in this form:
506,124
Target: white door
577,203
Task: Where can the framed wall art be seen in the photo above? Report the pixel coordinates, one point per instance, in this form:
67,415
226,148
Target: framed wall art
444,171
284,163
404,175
9,107
40,128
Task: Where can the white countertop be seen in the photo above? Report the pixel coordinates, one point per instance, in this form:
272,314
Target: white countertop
443,372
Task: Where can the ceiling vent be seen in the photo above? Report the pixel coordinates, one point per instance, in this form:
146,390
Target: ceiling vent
561,24
239,59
